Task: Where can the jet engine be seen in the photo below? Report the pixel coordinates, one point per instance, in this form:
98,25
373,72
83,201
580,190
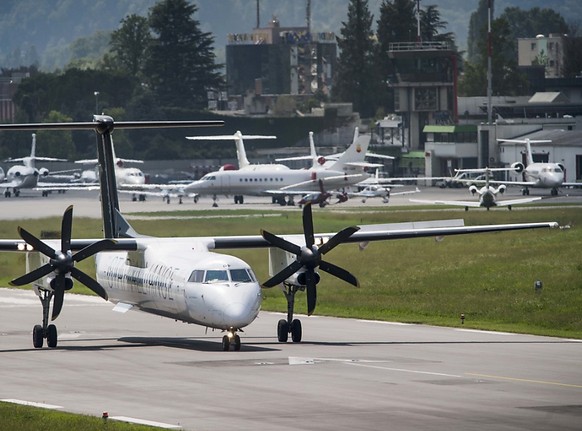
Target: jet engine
501,189
43,172
518,167
473,189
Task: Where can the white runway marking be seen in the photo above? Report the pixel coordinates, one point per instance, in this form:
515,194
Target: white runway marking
402,370
144,422
32,404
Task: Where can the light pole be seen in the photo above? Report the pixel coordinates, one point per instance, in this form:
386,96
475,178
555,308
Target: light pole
96,94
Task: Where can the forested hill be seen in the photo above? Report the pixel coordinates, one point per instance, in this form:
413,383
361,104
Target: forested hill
44,30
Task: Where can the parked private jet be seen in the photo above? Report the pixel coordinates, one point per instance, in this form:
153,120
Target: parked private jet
537,174
183,278
282,182
487,193
26,175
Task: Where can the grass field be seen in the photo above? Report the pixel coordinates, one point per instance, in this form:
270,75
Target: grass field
15,417
487,277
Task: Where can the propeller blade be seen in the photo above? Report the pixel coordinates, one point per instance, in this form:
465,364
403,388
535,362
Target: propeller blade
281,243
36,243
283,275
89,282
59,295
67,229
308,225
34,275
338,238
340,273
92,249
311,291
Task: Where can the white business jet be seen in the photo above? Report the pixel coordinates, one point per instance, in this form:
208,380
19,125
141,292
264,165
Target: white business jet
282,182
241,154
26,175
487,193
183,278
538,174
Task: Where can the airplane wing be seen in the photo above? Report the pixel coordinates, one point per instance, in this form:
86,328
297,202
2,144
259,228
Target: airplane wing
471,204
381,232
292,187
572,184
514,183
364,165
507,202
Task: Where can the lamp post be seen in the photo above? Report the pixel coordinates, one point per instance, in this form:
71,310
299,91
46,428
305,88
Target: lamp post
96,94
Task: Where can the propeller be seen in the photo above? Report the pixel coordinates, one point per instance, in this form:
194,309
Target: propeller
309,257
62,263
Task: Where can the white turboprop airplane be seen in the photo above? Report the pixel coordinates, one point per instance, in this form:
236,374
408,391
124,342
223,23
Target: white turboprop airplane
537,174
26,176
183,278
280,181
487,193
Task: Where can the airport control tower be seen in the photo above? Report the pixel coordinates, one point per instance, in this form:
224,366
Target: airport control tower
424,83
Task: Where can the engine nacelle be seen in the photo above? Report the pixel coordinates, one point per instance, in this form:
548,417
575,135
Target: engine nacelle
43,172
301,278
501,189
518,167
473,190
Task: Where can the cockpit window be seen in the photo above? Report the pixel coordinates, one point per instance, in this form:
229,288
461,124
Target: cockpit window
216,276
242,276
197,276
222,276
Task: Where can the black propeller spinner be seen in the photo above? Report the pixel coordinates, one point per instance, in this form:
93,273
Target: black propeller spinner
309,258
62,263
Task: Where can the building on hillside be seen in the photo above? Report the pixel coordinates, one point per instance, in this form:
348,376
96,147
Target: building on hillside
279,60
546,51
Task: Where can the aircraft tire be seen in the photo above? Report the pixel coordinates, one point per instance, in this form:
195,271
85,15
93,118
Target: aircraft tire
296,331
236,343
282,331
51,337
37,336
225,343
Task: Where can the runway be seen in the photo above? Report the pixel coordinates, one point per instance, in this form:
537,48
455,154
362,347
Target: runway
345,375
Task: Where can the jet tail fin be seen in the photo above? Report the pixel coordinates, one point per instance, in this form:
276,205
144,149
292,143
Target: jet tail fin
355,153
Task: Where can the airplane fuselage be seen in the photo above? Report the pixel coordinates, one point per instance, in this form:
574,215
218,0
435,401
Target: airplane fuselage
24,177
182,281
260,182
544,175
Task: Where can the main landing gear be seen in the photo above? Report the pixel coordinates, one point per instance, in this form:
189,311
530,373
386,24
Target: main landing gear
231,338
40,332
290,326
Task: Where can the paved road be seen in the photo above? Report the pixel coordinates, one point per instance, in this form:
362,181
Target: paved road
31,205
346,375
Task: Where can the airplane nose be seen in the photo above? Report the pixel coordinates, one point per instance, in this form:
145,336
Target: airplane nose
243,311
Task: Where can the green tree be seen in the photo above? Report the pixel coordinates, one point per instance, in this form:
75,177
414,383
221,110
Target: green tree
181,63
506,79
478,24
55,143
129,45
356,78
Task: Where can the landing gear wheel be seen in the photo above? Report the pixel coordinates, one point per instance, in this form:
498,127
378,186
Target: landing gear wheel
37,336
283,330
225,343
296,331
51,336
236,346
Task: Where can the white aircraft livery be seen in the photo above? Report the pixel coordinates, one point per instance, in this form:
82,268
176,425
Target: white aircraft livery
184,279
